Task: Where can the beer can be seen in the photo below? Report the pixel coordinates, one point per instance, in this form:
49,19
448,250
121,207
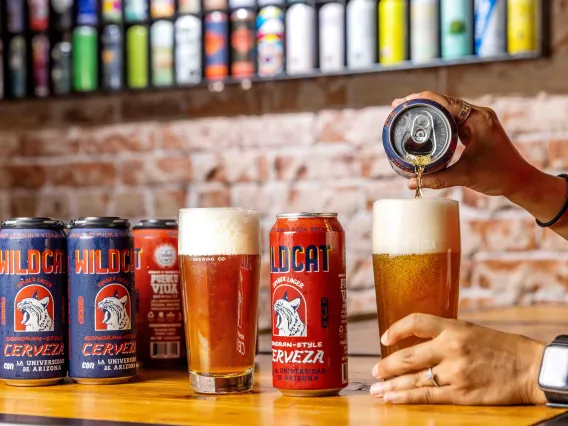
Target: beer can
39,15
331,37
188,50
424,30
243,22
162,8
61,68
85,64
137,56
40,57
33,290
211,5
419,127
489,27
17,65
189,6
102,326
262,3
392,31
111,56
521,26
216,46
457,28
159,309
361,34
62,14
135,10
235,4
162,39
87,12
112,10
270,41
300,39
16,15
309,304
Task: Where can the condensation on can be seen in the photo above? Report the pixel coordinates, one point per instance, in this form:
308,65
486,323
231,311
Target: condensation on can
309,305
216,46
270,41
398,126
188,50
331,37
490,27
242,43
17,65
361,34
521,26
424,30
40,56
393,31
300,39
61,68
111,56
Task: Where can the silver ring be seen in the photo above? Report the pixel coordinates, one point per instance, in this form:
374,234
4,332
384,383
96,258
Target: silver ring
464,113
429,375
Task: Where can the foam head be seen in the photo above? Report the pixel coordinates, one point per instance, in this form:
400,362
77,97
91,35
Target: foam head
416,226
204,232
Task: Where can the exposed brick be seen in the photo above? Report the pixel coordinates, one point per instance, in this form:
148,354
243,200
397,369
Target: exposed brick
28,177
82,174
375,163
130,204
154,170
25,115
552,241
386,188
227,166
248,195
212,195
358,229
265,272
119,138
208,167
315,197
152,105
498,235
466,268
92,203
23,205
363,126
89,111
9,145
535,152
50,142
558,153
277,130
484,202
168,203
204,134
55,205
5,205
362,302
360,277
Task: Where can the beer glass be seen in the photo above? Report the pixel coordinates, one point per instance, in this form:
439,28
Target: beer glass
219,253
416,260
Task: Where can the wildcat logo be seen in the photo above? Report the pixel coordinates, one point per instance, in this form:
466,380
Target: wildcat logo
33,309
112,308
288,316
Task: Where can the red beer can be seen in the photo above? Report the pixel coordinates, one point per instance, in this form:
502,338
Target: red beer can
309,304
159,318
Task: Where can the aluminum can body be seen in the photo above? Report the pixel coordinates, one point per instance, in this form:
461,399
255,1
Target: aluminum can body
216,46
243,22
521,26
424,30
361,34
393,31
332,37
457,28
490,27
270,41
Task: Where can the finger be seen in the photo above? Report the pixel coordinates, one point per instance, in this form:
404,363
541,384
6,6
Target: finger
427,395
405,382
399,101
420,325
414,358
447,178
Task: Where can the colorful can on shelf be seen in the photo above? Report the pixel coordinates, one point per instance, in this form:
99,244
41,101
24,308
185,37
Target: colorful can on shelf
392,31
62,14
112,10
137,57
39,15
331,37
243,22
33,290
270,41
490,27
210,5
308,286
361,34
457,28
300,39
424,30
16,15
17,66
40,59
87,12
189,6
188,50
135,10
102,327
159,314
235,4
162,42
61,68
216,46
162,8
111,56
85,64
521,26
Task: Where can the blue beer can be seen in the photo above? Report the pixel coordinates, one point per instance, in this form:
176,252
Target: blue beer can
490,29
87,12
102,334
33,301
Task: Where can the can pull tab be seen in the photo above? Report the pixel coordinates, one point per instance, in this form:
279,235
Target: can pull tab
422,138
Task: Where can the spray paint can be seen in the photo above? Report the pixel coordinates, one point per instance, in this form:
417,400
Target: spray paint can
87,12
40,56
457,28
112,10
243,23
62,14
189,6
39,15
61,68
361,34
162,8
331,37
162,42
300,39
135,10
111,56
270,41
15,12
85,66
137,57
424,30
17,65
216,46
188,50
489,27
392,31
521,26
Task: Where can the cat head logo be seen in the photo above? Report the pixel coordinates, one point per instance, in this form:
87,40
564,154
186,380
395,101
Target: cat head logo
290,313
112,308
165,256
33,310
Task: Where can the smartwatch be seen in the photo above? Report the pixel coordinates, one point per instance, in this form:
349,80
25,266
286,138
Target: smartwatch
553,375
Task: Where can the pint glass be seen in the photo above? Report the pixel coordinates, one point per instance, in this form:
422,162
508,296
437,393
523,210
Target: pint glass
219,252
416,260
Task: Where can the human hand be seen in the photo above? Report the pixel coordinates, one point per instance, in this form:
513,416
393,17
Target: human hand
472,365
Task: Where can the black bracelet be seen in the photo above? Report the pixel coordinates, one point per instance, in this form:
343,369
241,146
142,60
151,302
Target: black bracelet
560,213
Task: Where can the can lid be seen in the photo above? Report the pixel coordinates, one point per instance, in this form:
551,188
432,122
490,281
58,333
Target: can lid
157,224
304,215
33,223
100,222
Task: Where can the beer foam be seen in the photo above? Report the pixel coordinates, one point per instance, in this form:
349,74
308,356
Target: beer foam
416,226
204,232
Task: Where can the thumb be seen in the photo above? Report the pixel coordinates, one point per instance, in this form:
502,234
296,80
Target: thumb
447,178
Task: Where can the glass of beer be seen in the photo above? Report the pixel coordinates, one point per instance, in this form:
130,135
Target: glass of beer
219,252
416,260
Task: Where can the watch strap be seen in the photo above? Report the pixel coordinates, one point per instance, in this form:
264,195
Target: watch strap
558,400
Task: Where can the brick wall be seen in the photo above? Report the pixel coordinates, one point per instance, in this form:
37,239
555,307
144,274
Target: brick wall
308,145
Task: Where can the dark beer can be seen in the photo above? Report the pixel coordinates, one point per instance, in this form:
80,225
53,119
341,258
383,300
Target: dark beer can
112,57
62,14
419,127
242,43
16,15
159,310
270,41
102,328
61,68
39,15
40,55
216,46
17,65
87,12
309,304
33,284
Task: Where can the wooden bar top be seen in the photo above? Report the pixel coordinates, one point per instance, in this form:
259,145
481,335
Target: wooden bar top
164,397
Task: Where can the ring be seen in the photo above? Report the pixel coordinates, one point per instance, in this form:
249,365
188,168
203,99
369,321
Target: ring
429,375
464,113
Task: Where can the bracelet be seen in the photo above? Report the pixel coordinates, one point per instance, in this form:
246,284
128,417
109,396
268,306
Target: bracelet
560,213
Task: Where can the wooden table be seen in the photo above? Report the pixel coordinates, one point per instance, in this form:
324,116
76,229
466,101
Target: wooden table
165,397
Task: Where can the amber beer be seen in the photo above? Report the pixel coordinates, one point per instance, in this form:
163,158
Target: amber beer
219,253
416,260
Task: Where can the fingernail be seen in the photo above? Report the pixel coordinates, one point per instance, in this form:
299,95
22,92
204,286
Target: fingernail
385,338
390,397
377,389
375,371
412,96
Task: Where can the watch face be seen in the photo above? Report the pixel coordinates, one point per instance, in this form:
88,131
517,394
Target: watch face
554,370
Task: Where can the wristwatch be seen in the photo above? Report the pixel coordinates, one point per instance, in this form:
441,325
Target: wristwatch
553,375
